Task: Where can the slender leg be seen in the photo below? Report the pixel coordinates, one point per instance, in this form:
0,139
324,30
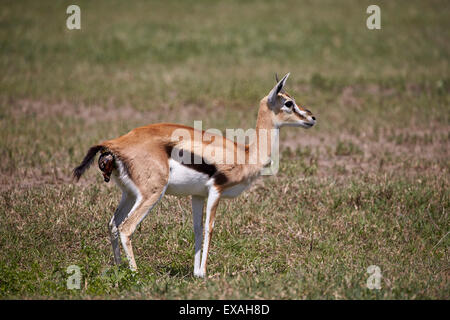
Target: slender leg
197,211
125,205
136,215
211,206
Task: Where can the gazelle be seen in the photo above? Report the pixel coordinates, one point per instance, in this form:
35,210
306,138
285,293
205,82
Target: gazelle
145,164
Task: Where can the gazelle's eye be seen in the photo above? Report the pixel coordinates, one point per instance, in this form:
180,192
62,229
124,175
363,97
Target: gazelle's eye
289,104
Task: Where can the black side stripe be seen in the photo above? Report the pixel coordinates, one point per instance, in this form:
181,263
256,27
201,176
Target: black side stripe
197,165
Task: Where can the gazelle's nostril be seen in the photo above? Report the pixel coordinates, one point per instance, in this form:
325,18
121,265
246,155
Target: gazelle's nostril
314,118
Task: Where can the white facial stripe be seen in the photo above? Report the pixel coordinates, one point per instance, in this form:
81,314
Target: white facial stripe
297,109
286,109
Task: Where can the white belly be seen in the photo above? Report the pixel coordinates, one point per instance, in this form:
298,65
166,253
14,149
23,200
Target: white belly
234,191
184,181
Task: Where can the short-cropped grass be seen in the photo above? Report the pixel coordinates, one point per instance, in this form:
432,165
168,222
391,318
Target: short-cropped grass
368,185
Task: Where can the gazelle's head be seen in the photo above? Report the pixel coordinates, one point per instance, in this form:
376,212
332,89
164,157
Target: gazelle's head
285,111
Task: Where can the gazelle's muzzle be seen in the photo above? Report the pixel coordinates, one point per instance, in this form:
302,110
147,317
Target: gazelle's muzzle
307,120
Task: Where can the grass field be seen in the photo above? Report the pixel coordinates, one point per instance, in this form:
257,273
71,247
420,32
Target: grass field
368,185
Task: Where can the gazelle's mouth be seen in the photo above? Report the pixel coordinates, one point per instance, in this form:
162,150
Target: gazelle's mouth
300,123
307,124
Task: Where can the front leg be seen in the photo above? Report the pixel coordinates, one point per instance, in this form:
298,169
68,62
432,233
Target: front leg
211,206
197,212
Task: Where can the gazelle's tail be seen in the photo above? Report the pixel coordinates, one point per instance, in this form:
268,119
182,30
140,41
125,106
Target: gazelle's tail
87,161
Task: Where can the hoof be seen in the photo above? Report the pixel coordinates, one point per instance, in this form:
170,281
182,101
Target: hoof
199,274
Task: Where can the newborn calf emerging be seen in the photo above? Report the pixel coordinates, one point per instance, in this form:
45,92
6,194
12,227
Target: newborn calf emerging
106,165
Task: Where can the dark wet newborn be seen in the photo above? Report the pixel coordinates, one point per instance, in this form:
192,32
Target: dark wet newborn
106,165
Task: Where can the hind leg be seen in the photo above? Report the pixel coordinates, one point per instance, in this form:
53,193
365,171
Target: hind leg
142,206
125,205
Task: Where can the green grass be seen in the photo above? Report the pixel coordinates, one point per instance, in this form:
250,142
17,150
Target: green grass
368,185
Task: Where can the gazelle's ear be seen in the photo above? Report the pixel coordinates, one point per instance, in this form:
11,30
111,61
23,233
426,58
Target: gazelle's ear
274,92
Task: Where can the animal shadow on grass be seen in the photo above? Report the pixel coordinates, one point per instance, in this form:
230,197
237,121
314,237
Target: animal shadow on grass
176,270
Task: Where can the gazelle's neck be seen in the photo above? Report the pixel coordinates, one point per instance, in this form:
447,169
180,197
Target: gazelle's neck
261,149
